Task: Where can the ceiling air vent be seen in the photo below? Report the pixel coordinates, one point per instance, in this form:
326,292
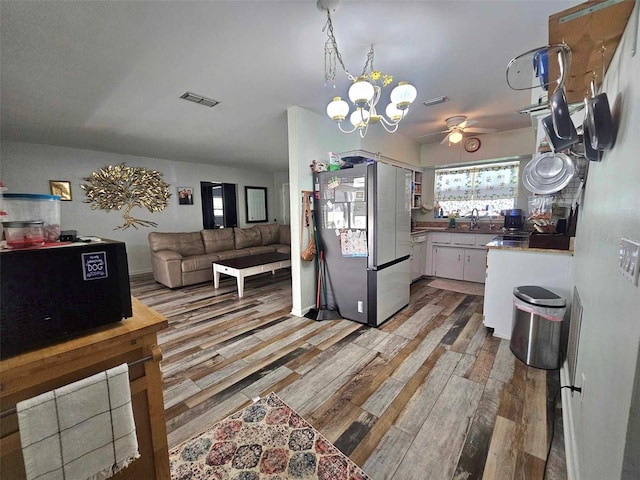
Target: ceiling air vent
435,101
199,99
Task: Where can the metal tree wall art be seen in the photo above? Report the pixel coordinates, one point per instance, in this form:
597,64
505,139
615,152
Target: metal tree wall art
117,186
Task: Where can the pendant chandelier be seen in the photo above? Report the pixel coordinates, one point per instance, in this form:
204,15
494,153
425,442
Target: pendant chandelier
366,89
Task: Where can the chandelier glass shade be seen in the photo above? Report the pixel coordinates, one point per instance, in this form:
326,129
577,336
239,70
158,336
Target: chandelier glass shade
338,109
455,136
361,92
359,118
365,91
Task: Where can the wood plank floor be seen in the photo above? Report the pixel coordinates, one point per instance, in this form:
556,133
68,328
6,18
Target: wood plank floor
431,394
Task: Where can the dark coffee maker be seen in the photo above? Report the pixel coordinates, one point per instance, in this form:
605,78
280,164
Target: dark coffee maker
513,219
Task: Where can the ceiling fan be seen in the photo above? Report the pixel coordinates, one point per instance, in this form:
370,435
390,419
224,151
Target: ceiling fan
456,127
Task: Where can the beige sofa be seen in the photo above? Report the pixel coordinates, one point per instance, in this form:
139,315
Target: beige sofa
185,258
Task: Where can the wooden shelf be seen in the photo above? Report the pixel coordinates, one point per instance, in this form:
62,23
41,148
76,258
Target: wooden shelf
416,182
131,340
586,35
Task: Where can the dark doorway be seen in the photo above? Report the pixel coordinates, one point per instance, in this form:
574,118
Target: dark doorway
219,205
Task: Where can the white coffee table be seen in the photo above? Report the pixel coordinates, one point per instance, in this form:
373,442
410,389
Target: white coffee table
242,267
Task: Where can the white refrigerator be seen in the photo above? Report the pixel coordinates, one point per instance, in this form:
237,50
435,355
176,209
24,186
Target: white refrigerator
363,217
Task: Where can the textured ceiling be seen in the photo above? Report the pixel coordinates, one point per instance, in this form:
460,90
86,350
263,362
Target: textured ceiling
107,75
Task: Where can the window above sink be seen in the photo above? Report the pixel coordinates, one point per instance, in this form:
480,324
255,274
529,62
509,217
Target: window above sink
490,188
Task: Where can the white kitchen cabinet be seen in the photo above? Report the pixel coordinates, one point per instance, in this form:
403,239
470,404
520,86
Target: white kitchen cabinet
460,263
507,269
448,262
474,265
460,256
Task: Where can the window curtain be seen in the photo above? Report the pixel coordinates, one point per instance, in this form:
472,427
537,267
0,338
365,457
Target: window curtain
487,182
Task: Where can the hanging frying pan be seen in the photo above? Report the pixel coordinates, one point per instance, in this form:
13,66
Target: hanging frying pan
599,120
558,143
562,124
548,173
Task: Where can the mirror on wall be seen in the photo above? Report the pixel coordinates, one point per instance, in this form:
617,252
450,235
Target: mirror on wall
256,204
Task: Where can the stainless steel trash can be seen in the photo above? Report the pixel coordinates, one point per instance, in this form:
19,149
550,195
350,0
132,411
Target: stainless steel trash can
537,322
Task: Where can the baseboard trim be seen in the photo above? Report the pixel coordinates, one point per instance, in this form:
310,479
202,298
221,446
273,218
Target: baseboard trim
570,445
302,312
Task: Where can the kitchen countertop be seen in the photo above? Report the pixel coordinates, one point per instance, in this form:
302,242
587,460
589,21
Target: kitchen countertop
496,244
454,230
523,247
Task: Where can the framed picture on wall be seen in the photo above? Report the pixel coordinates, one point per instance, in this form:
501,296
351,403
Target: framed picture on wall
62,188
185,195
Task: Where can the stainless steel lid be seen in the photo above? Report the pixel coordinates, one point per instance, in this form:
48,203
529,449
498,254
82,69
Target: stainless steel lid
538,296
548,173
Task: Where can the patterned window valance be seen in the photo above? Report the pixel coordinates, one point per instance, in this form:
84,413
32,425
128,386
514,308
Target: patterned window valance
486,182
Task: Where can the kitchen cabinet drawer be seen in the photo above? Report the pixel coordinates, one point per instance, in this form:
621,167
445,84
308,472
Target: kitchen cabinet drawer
463,239
441,238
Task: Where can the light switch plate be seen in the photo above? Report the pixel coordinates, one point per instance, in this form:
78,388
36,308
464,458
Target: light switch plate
629,260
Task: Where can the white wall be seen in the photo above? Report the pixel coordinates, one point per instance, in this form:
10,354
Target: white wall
311,137
395,146
501,145
280,179
610,334
511,143
27,168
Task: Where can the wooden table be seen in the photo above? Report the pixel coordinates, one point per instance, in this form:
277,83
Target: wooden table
242,267
133,340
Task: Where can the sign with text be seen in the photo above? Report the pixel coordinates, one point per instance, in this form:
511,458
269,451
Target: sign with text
94,265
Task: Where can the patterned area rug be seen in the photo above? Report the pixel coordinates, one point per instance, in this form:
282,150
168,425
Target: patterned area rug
469,288
265,441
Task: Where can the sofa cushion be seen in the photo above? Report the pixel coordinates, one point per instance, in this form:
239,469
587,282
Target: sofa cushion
199,262
269,233
218,240
185,243
247,237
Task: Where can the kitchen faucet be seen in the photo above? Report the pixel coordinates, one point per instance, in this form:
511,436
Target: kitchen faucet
474,218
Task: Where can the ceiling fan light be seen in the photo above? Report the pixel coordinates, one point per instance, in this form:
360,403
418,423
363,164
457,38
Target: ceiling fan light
361,92
359,118
403,95
337,109
455,136
394,113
